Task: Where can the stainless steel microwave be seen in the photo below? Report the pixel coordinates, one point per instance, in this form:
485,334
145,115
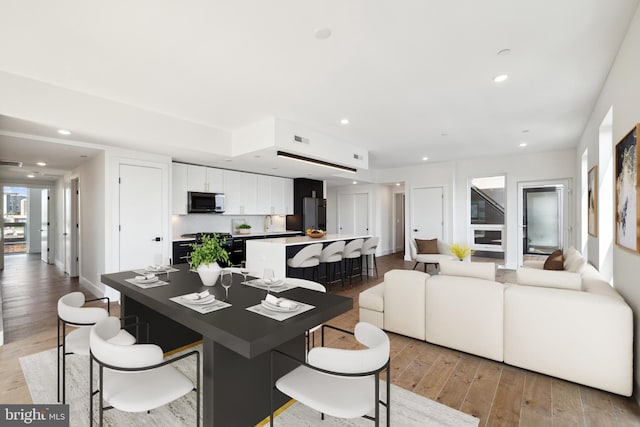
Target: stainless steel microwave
205,202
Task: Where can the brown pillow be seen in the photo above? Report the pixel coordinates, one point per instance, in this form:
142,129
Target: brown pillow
427,246
555,261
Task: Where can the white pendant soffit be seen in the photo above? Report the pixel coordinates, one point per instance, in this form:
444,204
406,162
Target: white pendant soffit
295,138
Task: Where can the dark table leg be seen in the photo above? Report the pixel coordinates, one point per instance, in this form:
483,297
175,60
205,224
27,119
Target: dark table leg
236,389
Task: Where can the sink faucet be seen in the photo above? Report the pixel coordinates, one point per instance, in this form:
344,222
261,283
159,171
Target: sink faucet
267,222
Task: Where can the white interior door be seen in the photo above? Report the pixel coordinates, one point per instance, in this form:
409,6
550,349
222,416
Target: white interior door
44,229
399,221
361,214
71,228
427,213
346,214
140,216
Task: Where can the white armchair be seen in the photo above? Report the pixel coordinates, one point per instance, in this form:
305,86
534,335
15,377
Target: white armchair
435,259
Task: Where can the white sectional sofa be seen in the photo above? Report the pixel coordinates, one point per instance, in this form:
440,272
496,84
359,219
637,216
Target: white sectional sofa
571,325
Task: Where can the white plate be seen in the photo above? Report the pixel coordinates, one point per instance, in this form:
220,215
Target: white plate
273,307
143,281
202,301
274,285
157,268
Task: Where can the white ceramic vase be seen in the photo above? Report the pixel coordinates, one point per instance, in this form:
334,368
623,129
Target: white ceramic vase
209,273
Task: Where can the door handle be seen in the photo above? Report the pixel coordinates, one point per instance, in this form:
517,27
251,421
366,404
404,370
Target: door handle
415,229
156,239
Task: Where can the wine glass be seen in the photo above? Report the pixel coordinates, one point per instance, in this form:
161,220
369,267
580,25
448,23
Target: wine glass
267,277
189,261
244,271
226,278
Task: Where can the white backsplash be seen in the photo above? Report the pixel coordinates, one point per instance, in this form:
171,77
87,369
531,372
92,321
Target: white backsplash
194,223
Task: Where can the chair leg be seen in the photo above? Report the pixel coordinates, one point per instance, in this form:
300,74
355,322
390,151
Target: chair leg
100,398
90,390
64,361
414,267
341,273
58,362
375,265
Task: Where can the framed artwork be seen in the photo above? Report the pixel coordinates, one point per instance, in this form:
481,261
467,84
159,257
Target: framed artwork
592,200
626,188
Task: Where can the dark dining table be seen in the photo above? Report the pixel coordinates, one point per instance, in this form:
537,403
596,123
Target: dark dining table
236,343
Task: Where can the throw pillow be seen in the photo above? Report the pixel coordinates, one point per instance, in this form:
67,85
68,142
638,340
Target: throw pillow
427,246
555,261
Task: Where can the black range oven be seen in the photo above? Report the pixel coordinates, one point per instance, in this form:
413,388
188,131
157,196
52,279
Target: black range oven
181,248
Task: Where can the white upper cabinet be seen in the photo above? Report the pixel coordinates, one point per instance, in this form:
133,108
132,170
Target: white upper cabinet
245,193
241,192
204,179
179,189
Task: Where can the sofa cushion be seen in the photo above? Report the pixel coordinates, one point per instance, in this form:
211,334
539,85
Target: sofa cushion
466,314
478,270
555,261
549,278
427,246
570,255
372,298
576,265
404,302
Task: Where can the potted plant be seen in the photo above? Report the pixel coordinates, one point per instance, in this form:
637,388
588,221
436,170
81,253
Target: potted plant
244,229
205,258
461,250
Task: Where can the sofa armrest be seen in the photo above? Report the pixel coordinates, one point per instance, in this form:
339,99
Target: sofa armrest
534,263
404,302
577,336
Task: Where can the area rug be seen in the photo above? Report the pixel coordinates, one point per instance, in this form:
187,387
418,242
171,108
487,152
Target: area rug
407,409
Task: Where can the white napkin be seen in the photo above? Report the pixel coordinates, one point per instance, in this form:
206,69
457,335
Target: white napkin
197,296
148,276
280,302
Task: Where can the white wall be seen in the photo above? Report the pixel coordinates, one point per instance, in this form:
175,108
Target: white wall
622,92
454,176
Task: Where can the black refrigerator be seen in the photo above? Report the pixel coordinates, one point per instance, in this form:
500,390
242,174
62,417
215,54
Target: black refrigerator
314,213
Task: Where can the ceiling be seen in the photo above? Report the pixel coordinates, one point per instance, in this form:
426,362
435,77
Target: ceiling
414,77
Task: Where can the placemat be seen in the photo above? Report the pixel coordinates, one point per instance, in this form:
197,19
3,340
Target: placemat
147,285
203,309
278,315
145,271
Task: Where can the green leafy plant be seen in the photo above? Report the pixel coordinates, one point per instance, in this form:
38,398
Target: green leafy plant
210,251
244,227
461,250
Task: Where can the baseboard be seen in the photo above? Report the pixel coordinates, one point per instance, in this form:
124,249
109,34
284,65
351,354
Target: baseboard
91,287
59,264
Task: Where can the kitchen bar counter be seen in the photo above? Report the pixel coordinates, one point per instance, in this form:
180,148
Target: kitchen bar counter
273,253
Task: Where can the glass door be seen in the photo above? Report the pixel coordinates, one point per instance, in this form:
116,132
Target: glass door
543,220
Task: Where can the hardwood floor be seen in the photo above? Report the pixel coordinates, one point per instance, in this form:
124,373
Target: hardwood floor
498,394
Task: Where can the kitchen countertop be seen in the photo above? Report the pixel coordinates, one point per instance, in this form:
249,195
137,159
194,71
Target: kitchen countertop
305,240
253,234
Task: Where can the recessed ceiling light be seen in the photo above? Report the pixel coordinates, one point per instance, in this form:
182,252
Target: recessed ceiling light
397,184
504,52
425,158
322,33
523,144
64,132
344,121
31,175
500,78
354,182
41,164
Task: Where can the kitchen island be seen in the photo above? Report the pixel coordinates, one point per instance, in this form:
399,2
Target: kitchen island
273,253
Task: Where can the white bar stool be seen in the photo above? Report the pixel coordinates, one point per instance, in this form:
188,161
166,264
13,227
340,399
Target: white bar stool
330,256
307,257
351,252
369,248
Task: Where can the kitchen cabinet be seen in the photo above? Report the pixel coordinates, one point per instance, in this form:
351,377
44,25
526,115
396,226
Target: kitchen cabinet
241,193
205,179
179,189
275,195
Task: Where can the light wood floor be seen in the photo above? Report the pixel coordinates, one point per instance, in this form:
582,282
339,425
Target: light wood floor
498,394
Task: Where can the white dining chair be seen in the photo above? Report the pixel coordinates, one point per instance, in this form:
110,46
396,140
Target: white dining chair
71,311
339,382
135,378
314,286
